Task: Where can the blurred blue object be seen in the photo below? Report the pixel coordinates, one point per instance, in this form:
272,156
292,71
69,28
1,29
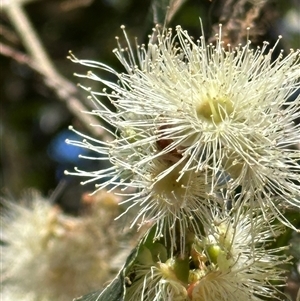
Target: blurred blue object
67,157
64,153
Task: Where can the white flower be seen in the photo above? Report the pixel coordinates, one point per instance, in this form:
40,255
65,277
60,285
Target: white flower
171,201
206,109
232,259
177,206
155,281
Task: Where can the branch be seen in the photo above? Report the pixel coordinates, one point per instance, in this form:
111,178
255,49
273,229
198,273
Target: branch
237,15
39,61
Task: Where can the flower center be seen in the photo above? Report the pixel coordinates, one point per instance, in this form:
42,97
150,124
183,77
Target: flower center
171,188
215,109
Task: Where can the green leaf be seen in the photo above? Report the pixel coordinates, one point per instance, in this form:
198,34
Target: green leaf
146,252
95,296
181,269
116,290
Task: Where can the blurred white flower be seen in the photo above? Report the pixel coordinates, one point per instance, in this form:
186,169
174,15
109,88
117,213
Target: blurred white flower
201,109
10,294
47,255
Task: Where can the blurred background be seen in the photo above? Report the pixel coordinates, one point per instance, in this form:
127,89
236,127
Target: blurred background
34,119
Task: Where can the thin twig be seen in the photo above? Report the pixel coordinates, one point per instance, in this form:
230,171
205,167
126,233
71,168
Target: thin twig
39,61
236,16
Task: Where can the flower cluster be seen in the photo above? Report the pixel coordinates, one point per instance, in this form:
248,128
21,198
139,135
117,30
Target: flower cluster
203,132
226,262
